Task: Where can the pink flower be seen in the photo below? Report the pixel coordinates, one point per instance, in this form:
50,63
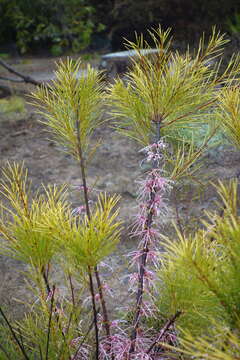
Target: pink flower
79,210
133,280
115,346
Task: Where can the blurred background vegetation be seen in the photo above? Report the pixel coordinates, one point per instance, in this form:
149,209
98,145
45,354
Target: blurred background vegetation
59,26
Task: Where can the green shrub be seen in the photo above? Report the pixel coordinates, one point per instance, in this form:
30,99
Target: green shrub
53,24
200,277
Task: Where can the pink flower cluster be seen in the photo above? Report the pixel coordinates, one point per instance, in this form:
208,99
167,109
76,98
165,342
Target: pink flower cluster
155,151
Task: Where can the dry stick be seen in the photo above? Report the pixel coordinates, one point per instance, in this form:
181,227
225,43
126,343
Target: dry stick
26,78
85,189
143,260
14,335
165,328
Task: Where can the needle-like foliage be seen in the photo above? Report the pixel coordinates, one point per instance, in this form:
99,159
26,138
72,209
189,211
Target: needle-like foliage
228,113
72,105
175,90
20,220
200,276
87,242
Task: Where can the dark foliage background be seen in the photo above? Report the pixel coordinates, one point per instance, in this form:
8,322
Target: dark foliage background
58,25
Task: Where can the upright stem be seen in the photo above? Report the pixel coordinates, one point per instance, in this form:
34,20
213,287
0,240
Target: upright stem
82,168
143,259
86,199
45,278
103,303
85,191
94,311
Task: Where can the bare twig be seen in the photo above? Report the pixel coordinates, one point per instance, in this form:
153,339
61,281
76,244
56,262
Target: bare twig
45,278
72,289
163,331
25,78
49,322
14,335
103,303
85,190
94,311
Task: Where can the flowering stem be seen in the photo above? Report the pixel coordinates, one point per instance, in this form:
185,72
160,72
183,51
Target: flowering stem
144,252
143,261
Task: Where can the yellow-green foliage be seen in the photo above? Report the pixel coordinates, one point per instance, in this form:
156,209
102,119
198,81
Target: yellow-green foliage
86,243
228,113
201,277
73,102
20,218
34,231
33,331
176,90
224,345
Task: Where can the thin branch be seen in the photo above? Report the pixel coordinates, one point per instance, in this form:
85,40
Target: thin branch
85,190
84,338
45,278
178,218
86,198
82,168
40,352
163,331
26,78
72,289
49,322
103,303
94,312
189,113
14,334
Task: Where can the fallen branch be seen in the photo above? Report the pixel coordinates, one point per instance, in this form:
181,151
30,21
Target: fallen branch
25,78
